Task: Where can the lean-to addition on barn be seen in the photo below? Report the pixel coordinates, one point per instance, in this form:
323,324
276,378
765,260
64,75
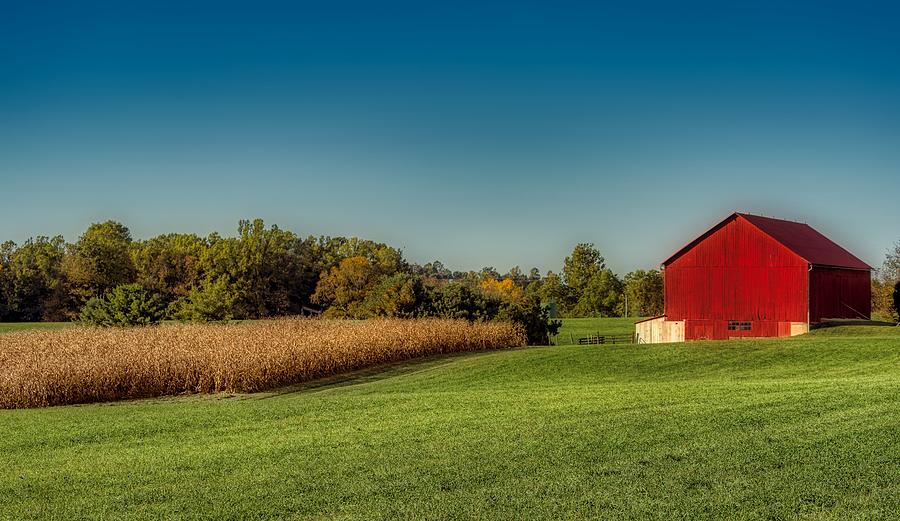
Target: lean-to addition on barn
753,276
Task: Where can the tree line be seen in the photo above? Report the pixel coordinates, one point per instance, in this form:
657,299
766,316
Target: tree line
107,277
886,286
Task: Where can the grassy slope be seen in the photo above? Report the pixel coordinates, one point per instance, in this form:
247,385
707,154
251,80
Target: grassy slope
806,427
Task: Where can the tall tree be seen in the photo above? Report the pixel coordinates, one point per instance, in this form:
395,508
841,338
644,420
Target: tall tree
602,296
344,287
516,275
644,291
35,289
6,250
554,292
263,267
100,260
580,267
169,265
883,282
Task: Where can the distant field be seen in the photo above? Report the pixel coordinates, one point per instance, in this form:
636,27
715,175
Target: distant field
800,428
575,328
6,327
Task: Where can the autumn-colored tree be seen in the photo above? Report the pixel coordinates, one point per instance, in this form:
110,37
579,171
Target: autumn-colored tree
343,288
884,280
505,289
399,295
330,251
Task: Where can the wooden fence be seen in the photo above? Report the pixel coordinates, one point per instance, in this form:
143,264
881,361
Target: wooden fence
606,339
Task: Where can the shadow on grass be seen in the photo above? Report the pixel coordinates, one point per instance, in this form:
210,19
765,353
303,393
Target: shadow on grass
376,373
851,322
361,376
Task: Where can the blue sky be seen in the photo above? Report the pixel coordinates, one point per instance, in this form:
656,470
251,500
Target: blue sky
475,133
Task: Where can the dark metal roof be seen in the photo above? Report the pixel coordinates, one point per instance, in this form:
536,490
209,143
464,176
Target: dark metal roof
806,242
800,238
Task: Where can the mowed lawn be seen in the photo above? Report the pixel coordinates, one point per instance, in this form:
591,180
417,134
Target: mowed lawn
803,428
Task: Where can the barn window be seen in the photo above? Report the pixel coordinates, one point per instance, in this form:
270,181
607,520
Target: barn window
737,325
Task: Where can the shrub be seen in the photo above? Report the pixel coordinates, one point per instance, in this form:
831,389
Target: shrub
534,319
211,302
124,305
459,301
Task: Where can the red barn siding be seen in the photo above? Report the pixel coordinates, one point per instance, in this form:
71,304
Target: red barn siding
839,293
736,272
699,329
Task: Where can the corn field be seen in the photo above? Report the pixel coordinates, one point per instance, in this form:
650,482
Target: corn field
82,365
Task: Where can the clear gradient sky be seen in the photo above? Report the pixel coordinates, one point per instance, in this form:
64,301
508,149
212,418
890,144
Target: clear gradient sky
475,133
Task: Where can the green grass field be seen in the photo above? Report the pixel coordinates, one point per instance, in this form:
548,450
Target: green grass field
575,328
6,327
802,428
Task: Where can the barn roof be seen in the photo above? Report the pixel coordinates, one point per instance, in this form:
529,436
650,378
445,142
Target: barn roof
800,238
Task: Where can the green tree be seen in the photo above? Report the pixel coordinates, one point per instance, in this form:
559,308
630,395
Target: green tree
580,267
6,250
34,288
169,265
488,272
533,317
644,291
601,297
211,301
553,292
398,295
516,275
100,260
266,268
455,300
124,305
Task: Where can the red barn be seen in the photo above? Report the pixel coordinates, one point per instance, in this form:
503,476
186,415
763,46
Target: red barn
753,276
